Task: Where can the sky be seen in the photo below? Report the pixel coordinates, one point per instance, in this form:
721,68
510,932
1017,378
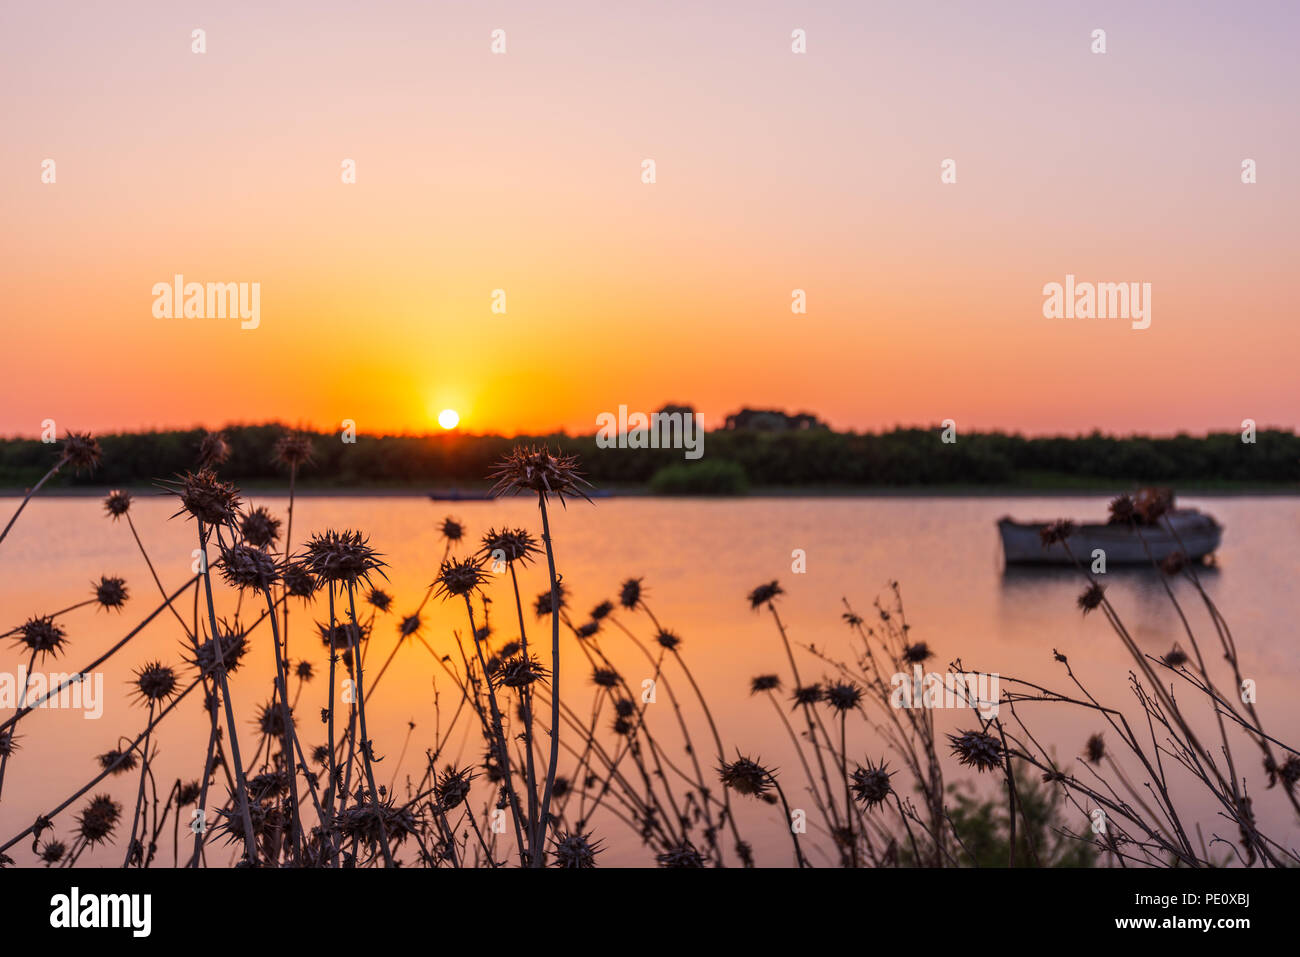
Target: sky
774,171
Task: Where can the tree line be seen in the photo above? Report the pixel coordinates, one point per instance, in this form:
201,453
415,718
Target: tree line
902,457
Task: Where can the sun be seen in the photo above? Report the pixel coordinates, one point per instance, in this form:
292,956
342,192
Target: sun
449,418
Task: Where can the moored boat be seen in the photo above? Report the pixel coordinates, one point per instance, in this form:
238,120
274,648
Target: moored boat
1178,530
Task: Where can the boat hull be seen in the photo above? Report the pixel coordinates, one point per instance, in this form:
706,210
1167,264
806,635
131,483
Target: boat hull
1188,531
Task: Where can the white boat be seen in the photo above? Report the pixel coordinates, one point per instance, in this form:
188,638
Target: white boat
1185,530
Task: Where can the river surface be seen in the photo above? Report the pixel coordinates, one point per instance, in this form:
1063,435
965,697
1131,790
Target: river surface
698,559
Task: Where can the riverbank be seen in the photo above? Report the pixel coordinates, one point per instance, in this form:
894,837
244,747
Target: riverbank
1098,488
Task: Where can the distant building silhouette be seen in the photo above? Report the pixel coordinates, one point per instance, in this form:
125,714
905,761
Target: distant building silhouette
772,420
670,408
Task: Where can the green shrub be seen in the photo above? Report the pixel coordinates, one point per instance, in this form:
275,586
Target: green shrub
714,477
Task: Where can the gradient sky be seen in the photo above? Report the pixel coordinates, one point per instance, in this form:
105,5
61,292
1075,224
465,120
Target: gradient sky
775,171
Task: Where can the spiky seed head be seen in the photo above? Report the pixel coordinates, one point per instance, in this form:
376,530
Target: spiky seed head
154,682
98,819
629,593
761,683
764,594
260,528
668,639
870,784
1288,773
205,497
534,469
52,852
117,761
605,678
977,750
514,544
519,672
624,708
1094,749
460,576
293,449
542,605
379,599
42,636
1091,597
574,849
222,653
843,695
917,653
245,566
453,786
341,558
808,694
369,823
586,629
341,635
81,451
451,529
110,592
745,776
1173,563
8,744
189,793
298,581
270,719
409,626
1056,532
213,450
1122,510
117,504
683,854
602,611
305,671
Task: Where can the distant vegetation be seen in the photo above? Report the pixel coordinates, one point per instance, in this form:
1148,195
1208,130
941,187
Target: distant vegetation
733,459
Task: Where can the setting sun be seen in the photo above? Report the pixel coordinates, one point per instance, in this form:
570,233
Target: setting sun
448,418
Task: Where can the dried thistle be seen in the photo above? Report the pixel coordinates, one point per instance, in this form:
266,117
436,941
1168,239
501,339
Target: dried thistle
870,784
460,576
977,750
81,451
764,595
341,558
110,592
534,469
98,819
260,528
154,682
117,504
246,566
42,636
745,776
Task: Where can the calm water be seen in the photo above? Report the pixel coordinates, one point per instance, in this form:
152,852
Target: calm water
699,559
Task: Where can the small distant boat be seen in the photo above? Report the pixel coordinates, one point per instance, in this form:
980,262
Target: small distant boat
479,495
1185,530
461,495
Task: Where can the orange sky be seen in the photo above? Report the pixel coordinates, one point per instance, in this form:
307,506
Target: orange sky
522,172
